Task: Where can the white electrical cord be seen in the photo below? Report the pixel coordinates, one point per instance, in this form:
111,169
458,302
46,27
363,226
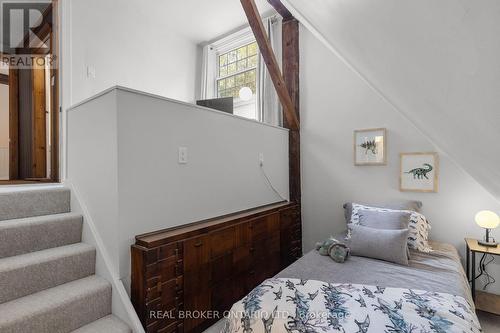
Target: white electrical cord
270,183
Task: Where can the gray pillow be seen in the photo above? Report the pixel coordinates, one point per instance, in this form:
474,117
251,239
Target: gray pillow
384,220
388,245
406,205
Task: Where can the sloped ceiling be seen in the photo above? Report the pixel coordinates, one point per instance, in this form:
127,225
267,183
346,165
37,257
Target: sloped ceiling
437,62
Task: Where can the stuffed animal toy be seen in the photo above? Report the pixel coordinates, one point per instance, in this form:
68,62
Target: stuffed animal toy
336,250
323,247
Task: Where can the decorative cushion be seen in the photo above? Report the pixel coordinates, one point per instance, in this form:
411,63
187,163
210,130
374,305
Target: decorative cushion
405,205
419,227
394,220
388,245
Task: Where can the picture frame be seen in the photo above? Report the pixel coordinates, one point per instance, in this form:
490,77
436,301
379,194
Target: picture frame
419,172
370,147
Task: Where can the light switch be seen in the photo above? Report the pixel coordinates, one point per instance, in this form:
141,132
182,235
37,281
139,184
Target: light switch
90,72
183,155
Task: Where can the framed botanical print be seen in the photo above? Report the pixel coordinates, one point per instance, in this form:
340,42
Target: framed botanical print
370,147
419,172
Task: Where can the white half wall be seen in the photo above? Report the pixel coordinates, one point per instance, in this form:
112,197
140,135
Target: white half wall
123,161
335,102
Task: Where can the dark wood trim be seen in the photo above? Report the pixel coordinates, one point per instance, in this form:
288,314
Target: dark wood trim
27,182
156,238
13,124
54,43
4,79
281,9
290,63
266,50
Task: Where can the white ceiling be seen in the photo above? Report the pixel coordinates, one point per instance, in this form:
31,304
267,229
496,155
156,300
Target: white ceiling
203,20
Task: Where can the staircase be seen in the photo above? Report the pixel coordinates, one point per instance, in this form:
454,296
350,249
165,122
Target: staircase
47,275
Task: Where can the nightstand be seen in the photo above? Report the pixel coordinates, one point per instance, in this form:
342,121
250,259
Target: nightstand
473,247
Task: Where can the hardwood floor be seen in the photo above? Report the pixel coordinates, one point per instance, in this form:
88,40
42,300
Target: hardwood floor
490,323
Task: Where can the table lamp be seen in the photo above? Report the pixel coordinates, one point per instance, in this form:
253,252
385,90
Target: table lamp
488,220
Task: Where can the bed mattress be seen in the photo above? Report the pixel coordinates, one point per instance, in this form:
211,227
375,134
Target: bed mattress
438,271
316,294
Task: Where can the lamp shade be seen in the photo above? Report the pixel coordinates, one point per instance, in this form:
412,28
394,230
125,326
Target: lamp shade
245,94
487,219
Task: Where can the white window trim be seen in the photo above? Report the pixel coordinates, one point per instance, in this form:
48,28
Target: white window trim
224,45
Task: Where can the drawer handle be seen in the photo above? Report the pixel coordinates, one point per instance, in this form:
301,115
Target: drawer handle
198,244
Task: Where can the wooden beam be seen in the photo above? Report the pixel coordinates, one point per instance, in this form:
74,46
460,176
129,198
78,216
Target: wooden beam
4,79
270,59
281,9
291,59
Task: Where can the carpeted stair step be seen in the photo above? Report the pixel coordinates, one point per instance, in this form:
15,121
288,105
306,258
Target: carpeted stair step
36,202
33,272
39,233
61,309
108,324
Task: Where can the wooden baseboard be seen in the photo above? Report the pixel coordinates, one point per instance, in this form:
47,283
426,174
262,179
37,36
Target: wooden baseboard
488,302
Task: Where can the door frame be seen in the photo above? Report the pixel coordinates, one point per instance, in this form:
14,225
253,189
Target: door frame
54,176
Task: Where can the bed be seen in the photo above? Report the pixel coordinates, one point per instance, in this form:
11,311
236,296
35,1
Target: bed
431,294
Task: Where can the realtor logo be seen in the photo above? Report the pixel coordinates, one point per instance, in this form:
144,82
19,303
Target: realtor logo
26,34
24,25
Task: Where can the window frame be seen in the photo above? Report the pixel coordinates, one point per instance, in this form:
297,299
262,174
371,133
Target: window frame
229,43
255,68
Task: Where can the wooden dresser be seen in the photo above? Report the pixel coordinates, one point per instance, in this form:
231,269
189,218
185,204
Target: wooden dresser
209,265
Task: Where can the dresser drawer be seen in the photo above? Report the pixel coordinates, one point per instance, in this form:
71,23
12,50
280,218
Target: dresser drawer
222,241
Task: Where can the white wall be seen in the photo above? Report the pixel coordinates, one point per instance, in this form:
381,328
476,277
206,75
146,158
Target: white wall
129,177
334,102
437,61
128,43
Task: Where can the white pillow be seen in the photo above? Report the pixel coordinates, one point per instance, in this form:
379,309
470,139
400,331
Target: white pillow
419,227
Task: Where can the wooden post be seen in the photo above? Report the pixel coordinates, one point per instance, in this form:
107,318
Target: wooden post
290,40
270,59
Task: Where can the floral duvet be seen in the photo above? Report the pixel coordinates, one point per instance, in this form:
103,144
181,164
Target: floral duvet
307,306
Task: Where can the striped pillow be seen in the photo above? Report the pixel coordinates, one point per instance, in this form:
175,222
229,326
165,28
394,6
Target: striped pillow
419,227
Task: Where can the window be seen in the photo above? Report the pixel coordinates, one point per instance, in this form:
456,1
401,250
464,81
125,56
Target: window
229,65
237,69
